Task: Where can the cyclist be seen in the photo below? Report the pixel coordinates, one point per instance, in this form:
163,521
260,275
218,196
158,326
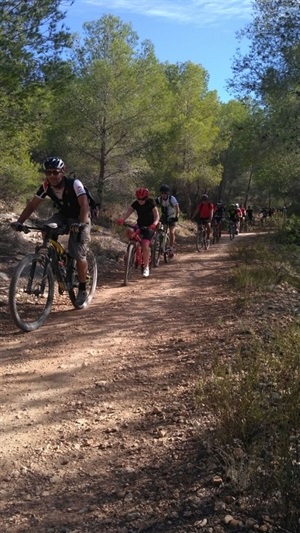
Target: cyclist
148,218
204,212
249,212
74,211
234,215
243,217
169,213
219,215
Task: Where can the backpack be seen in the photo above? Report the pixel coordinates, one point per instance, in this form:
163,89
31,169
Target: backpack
94,205
159,201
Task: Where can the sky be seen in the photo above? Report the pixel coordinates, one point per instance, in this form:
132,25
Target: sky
200,31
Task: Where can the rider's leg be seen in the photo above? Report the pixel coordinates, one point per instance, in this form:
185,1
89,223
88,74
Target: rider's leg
146,252
208,228
172,236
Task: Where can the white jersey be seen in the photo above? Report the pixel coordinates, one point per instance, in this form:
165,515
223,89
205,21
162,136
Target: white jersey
167,206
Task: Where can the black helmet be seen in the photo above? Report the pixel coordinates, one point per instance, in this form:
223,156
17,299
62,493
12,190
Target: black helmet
220,203
53,162
204,197
164,188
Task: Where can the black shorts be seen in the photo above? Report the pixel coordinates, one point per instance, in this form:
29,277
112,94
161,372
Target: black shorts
145,233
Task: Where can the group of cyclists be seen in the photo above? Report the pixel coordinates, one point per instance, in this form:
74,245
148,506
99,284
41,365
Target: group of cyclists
74,211
150,214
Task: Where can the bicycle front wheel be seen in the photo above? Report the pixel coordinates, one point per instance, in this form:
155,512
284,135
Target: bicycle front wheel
199,240
156,249
91,280
31,292
167,250
129,263
232,231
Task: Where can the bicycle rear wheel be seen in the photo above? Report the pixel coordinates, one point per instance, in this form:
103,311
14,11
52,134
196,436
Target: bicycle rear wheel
31,292
91,280
129,263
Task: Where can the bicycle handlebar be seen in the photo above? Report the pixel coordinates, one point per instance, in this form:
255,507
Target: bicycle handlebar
59,230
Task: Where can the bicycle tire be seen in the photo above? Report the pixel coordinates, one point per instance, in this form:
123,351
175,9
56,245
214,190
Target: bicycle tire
91,280
231,231
28,308
167,258
129,263
199,242
214,238
156,249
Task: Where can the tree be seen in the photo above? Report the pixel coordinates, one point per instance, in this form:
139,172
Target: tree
272,61
30,37
270,73
112,104
186,148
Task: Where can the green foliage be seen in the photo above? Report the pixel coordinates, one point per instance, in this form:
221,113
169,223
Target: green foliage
30,36
257,404
255,398
291,233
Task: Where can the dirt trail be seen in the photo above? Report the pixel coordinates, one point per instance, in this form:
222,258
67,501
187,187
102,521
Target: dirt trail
99,428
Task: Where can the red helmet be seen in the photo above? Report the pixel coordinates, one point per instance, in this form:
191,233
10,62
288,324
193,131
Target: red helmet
142,193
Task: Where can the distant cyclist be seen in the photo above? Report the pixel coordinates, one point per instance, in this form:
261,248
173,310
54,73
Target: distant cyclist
204,213
219,215
249,212
147,220
169,212
243,217
234,215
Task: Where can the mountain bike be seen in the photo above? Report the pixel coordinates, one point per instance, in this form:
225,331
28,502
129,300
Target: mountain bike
134,254
31,290
202,242
161,245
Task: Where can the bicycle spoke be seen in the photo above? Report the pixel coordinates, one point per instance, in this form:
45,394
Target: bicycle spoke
31,292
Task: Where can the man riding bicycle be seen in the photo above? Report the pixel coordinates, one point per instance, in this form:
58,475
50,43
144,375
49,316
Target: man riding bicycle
219,215
70,198
204,212
169,213
234,215
148,218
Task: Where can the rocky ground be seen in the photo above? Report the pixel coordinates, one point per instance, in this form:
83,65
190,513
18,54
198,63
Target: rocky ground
100,428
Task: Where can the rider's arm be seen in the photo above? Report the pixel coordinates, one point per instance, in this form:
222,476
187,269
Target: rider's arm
84,214
127,213
177,210
156,215
195,212
29,209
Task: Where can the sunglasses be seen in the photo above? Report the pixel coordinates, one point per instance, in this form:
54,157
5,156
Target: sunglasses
142,199
52,172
